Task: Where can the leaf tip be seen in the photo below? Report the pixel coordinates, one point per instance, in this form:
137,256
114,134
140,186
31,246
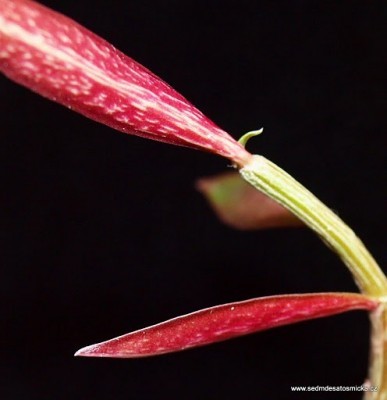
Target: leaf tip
89,351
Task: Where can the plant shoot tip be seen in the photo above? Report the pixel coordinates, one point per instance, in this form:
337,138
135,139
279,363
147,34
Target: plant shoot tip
247,136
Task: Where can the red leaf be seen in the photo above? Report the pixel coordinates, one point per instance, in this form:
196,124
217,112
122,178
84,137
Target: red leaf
227,321
59,59
241,206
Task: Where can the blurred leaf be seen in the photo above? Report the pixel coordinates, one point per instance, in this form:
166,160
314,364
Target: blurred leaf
227,321
241,206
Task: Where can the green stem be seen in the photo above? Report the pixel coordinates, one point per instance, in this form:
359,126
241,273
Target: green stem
279,185
378,357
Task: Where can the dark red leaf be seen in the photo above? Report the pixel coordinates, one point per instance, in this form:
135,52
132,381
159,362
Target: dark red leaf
227,321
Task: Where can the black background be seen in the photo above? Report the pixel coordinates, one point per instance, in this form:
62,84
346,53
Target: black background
102,233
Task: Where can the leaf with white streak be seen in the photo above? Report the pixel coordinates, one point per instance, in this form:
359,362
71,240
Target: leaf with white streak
227,321
63,61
